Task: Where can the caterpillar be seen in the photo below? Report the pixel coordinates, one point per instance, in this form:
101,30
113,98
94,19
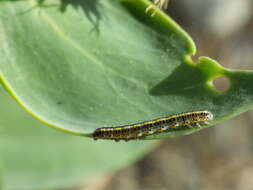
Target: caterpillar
142,129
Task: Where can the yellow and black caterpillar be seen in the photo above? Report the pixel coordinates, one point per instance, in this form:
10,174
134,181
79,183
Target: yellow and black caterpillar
142,129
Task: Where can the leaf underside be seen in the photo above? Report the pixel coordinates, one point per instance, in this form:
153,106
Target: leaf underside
81,65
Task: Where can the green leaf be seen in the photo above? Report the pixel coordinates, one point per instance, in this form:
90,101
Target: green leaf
36,157
79,65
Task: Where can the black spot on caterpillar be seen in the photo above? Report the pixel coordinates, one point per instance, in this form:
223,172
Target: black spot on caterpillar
142,129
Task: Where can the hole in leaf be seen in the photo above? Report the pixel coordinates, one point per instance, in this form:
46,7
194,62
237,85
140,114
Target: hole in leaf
221,84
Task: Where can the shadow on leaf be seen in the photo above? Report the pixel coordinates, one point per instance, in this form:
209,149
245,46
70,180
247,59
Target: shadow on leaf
89,7
181,85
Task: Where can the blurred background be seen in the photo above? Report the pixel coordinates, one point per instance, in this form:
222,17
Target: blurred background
220,157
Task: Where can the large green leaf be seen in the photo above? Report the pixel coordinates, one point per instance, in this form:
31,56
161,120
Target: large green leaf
81,65
37,157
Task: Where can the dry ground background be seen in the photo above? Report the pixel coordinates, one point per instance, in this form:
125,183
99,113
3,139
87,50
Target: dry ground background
220,157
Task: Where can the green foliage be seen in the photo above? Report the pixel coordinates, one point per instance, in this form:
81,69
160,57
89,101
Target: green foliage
86,64
33,156
78,65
